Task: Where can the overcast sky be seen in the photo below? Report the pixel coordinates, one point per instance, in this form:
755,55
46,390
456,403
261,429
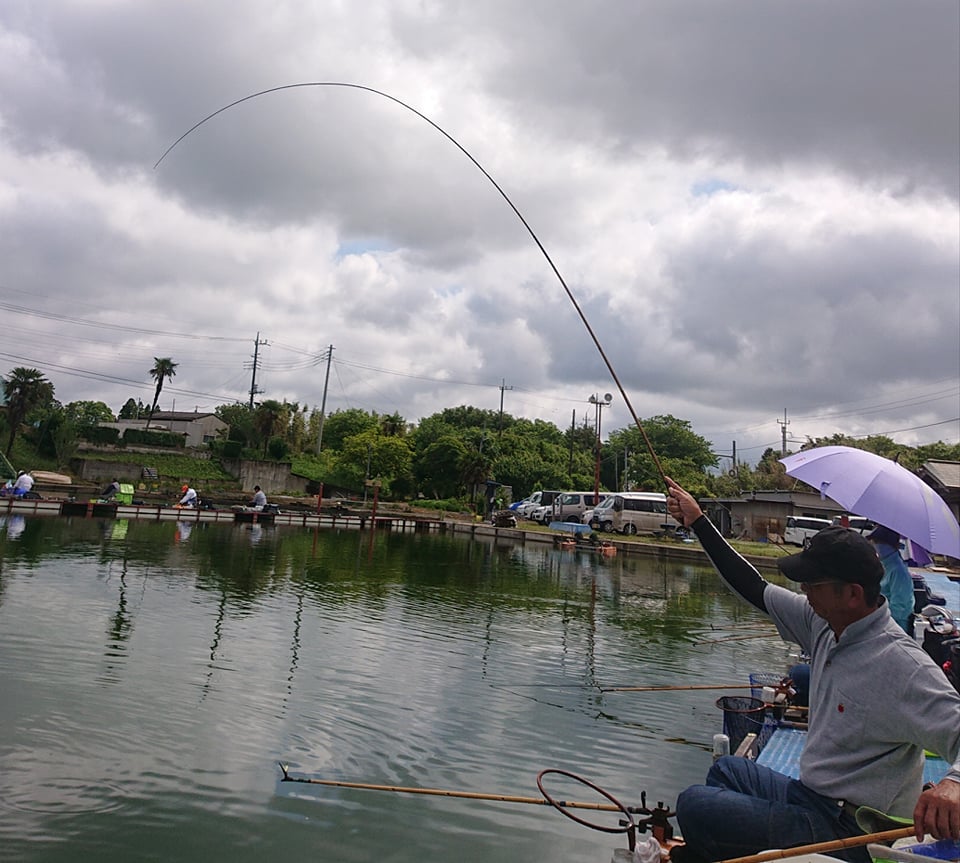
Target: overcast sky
756,204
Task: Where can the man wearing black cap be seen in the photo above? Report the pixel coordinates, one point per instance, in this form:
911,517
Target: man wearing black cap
876,701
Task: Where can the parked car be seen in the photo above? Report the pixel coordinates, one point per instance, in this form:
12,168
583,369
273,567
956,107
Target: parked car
535,501
541,514
801,528
571,505
632,512
524,507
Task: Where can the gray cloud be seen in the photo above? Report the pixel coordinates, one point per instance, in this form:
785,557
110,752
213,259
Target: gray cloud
756,206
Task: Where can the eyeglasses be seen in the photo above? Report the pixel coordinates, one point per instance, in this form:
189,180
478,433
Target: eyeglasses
806,585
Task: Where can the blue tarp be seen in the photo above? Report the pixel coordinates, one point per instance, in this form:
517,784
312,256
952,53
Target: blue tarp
570,527
782,754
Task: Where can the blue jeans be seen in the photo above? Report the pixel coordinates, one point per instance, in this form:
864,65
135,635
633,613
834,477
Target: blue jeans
745,808
800,675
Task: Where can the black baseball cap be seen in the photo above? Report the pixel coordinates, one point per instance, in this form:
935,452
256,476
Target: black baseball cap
834,554
884,535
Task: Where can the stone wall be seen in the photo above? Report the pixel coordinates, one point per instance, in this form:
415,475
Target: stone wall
92,470
273,477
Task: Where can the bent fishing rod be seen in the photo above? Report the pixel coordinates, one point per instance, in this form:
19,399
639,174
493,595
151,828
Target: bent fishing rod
496,185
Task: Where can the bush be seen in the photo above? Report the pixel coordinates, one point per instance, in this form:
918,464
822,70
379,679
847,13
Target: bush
232,449
101,434
450,504
154,438
278,448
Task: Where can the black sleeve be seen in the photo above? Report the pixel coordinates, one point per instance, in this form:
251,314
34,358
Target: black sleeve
733,569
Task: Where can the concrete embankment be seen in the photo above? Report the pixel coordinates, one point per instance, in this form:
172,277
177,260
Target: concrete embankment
670,550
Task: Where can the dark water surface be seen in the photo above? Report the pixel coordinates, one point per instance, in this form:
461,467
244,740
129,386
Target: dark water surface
151,678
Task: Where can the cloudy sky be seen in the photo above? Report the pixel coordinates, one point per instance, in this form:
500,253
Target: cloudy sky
756,205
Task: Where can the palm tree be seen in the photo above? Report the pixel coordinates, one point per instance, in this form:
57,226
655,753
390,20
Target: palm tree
266,420
25,390
163,368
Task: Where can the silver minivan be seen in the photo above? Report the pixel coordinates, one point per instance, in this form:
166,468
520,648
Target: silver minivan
571,505
801,528
632,512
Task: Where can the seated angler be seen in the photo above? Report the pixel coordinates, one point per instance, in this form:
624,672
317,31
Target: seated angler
877,700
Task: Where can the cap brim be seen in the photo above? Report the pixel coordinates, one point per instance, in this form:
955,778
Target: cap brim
797,567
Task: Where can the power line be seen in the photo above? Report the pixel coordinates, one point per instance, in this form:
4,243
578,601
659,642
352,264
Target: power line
23,310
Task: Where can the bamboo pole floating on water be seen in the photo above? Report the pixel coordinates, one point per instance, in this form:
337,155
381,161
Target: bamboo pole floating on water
771,634
677,688
441,792
817,847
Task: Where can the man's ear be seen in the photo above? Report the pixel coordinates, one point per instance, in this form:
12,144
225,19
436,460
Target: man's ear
855,592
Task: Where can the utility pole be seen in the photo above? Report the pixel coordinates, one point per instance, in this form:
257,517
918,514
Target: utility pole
573,429
323,404
254,390
503,386
783,433
600,403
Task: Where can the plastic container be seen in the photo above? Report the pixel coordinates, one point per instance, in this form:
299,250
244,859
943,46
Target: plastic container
721,746
760,679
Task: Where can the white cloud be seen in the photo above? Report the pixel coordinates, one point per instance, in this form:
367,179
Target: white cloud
756,208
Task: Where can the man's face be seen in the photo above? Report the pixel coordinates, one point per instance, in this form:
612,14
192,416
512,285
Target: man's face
828,599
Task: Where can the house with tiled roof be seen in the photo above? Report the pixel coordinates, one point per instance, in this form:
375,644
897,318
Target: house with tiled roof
198,428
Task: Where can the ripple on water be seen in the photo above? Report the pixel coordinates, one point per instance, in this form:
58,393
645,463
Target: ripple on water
50,782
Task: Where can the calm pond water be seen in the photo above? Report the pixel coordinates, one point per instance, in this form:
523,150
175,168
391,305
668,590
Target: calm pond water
152,677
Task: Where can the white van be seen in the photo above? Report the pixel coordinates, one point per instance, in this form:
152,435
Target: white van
800,528
571,505
541,506
528,504
632,512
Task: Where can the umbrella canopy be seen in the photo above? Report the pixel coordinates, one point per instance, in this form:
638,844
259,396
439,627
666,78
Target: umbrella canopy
881,490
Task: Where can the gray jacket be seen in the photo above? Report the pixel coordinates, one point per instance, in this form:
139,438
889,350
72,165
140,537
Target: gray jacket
877,701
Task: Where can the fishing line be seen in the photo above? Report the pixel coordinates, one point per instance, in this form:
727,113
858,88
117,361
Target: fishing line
496,185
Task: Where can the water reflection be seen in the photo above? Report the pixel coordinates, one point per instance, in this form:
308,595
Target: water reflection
153,679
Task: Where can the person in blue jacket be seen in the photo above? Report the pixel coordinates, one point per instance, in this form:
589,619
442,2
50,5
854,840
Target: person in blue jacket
897,583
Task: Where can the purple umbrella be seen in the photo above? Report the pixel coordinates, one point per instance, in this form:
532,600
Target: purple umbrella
881,490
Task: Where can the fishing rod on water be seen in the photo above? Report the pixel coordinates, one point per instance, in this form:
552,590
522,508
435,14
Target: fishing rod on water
656,820
496,185
467,795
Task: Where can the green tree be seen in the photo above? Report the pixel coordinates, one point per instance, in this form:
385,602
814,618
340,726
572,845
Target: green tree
267,419
87,414
393,425
131,410
297,429
771,474
683,454
389,457
239,417
343,424
437,467
475,469
163,369
535,454
25,390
